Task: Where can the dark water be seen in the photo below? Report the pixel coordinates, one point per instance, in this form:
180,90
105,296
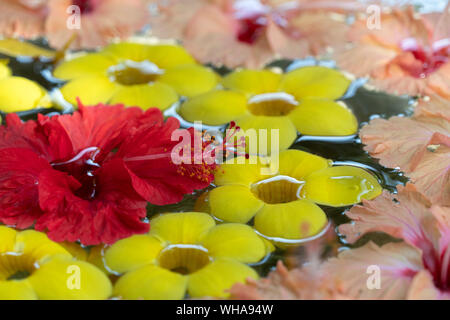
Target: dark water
343,150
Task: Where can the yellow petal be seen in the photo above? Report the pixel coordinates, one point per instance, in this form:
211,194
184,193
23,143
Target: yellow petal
17,290
233,203
17,48
298,164
164,56
315,82
96,258
7,239
323,118
190,80
151,283
216,278
252,81
68,279
215,107
37,247
181,228
131,253
75,249
91,90
236,241
340,186
280,132
145,96
5,71
13,99
241,171
292,220
93,64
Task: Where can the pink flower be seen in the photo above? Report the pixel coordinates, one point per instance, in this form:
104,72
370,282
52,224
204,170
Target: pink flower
407,54
419,146
251,32
22,18
419,267
100,21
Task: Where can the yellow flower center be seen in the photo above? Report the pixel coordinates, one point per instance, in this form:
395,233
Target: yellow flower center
184,259
130,72
278,189
274,104
15,267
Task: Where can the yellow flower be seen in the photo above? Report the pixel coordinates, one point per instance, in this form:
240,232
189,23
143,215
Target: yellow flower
281,194
34,267
20,94
136,75
301,100
184,252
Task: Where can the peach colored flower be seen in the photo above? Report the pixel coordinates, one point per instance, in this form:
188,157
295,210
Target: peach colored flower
100,21
251,32
307,283
419,146
408,54
22,18
306,278
417,268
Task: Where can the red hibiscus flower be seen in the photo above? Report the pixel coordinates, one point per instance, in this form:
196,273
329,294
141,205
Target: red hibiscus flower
88,176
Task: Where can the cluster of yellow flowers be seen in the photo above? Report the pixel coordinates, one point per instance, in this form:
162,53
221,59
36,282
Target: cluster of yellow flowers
196,253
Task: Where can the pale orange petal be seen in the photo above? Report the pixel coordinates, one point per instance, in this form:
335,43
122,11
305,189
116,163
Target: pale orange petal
210,37
22,18
435,107
306,283
422,288
419,146
315,29
172,17
109,19
406,215
355,269
284,45
439,82
394,28
363,60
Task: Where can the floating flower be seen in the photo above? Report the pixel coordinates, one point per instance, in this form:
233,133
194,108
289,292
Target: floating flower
301,100
98,21
88,176
280,194
307,281
184,252
417,268
408,54
249,32
34,267
136,75
12,88
22,18
419,146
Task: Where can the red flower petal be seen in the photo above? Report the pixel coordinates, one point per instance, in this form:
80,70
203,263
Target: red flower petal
87,176
19,178
115,213
147,154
